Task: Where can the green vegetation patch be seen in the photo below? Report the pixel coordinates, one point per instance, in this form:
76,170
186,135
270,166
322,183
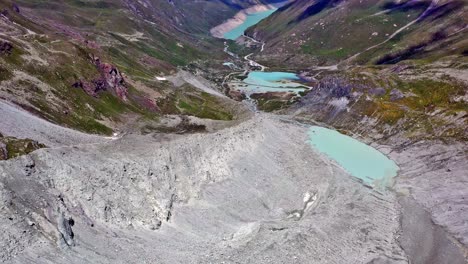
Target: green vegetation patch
11,147
432,93
271,105
194,103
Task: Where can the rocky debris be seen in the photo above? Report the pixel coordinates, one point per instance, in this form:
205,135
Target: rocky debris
6,48
218,197
150,104
65,228
3,151
336,86
396,94
379,91
91,89
16,8
29,167
328,88
418,225
236,95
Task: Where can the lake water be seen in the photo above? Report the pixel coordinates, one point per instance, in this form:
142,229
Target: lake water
360,160
261,82
251,20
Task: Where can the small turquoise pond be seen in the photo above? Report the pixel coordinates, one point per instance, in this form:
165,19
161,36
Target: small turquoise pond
273,79
251,20
360,160
261,82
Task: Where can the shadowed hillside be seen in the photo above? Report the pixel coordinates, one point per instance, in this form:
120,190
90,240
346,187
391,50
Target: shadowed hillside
377,32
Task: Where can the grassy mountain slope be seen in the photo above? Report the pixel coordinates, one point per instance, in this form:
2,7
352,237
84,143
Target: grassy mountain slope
91,65
380,32
400,67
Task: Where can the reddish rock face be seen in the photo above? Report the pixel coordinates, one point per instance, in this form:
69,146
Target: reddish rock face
237,95
111,79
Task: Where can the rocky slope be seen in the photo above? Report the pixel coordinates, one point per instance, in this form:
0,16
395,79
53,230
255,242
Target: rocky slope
198,178
393,75
251,193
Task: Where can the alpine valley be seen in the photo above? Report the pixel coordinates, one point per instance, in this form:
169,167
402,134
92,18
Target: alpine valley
234,131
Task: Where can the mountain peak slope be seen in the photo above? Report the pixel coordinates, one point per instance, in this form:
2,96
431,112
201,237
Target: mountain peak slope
379,32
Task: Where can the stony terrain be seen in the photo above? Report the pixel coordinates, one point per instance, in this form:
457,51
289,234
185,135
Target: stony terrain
251,193
119,145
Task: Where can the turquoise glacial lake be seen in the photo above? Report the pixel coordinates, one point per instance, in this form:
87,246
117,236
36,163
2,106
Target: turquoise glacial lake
360,160
251,20
261,82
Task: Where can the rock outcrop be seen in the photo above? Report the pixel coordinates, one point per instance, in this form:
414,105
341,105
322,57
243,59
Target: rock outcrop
3,151
6,48
111,79
11,147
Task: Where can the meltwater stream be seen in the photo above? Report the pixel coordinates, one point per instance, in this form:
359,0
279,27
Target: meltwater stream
360,160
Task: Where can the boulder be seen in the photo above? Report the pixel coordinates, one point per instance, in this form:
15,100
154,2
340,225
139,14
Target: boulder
6,48
377,91
16,8
3,151
396,94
